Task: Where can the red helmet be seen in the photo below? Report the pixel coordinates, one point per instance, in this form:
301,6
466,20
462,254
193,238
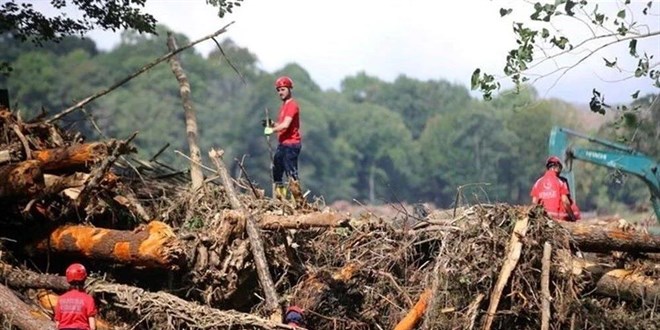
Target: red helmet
284,81
76,272
552,160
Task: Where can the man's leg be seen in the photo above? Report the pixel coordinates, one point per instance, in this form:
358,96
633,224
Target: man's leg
278,172
291,153
291,169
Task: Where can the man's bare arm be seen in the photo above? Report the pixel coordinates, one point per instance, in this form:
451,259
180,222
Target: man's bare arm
283,125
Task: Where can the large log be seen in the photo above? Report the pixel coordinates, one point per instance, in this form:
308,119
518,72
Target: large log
23,179
628,285
151,245
19,314
310,220
622,284
595,237
74,157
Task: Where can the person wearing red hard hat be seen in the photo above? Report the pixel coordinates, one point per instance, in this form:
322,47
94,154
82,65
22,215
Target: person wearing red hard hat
75,310
552,192
287,128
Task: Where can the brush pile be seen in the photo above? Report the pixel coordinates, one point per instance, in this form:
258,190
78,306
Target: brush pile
227,257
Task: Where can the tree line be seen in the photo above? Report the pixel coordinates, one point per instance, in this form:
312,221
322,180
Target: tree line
372,140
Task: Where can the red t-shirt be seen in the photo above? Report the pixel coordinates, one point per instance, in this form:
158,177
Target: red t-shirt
74,309
291,135
549,189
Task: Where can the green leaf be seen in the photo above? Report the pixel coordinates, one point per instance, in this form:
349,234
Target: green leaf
545,33
635,94
621,14
569,7
474,80
610,64
504,12
632,46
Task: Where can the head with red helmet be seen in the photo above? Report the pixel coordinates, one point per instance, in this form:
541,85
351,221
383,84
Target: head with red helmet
284,81
283,86
76,273
553,161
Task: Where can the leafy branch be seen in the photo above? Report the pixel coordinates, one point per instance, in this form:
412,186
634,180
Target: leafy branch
522,61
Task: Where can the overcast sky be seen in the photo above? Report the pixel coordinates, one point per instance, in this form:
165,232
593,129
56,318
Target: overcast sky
423,39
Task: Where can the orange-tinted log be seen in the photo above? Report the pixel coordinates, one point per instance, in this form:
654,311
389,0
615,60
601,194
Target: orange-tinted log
22,179
153,245
71,157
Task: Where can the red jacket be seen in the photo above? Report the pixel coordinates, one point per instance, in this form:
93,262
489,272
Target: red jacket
549,189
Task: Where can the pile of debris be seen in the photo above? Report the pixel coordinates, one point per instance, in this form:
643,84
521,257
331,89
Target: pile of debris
227,257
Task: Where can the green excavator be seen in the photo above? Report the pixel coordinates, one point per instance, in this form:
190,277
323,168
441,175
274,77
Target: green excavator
609,154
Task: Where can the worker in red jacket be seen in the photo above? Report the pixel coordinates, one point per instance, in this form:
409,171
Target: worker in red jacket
552,192
75,310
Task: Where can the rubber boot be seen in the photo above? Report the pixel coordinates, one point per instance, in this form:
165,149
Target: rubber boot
295,190
281,191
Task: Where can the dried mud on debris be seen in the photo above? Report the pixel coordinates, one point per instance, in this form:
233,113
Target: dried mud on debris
163,257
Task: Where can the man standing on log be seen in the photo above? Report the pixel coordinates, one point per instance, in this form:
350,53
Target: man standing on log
75,310
287,127
552,192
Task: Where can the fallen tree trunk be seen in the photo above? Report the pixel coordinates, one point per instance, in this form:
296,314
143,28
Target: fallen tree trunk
628,285
74,157
23,179
622,284
26,279
18,313
304,221
595,237
152,245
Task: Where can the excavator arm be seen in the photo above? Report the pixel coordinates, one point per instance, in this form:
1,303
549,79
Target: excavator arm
611,155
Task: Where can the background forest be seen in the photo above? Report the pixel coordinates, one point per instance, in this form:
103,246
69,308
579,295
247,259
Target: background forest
372,141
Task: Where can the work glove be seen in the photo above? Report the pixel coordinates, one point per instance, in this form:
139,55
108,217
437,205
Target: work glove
268,130
267,123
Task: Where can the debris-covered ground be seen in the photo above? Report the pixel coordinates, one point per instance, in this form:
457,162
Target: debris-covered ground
165,257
